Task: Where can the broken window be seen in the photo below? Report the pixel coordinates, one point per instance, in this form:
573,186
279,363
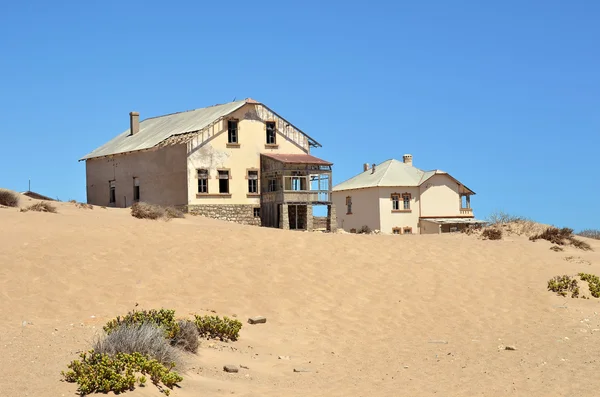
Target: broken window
395,202
112,198
136,189
202,181
223,181
271,133
232,131
252,181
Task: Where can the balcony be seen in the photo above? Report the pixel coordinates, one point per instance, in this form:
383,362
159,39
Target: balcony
466,211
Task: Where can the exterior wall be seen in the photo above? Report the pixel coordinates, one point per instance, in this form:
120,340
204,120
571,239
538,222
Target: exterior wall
365,209
440,197
215,153
319,222
161,173
240,213
398,219
428,227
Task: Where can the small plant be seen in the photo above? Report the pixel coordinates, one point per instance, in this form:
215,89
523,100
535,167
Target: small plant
82,205
215,327
501,217
9,198
42,206
163,318
564,284
593,282
590,233
556,248
561,236
97,372
492,233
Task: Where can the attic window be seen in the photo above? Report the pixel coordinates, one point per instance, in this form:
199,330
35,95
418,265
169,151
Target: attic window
232,131
271,133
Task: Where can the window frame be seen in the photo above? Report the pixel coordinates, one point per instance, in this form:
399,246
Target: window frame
271,133
204,179
405,228
397,198
233,132
396,230
112,191
252,180
136,189
348,205
225,172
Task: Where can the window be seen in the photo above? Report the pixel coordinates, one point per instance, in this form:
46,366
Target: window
257,212
407,230
253,182
271,133
136,189
272,184
232,131
396,230
395,202
202,181
223,181
406,200
112,198
349,205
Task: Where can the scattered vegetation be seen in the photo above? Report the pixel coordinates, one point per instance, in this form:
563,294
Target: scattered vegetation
557,248
590,233
42,206
501,217
561,237
187,336
564,284
151,211
9,198
99,372
492,233
215,327
364,230
82,205
163,318
593,282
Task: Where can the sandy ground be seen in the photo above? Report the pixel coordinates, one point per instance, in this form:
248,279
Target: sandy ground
365,314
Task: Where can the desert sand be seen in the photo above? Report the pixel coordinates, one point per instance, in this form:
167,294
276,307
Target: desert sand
368,315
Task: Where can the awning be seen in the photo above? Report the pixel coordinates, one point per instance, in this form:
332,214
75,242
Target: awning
454,221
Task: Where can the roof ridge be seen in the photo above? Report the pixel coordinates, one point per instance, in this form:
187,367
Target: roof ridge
385,172
190,110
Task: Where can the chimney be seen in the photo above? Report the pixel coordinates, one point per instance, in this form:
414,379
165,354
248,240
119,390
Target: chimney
407,158
373,168
134,122
365,167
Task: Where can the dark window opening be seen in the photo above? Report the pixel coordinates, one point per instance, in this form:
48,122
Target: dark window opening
396,230
202,181
252,181
395,202
272,185
136,189
407,230
223,181
232,131
256,212
271,133
112,195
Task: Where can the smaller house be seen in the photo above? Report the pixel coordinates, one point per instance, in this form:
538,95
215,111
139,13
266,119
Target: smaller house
396,197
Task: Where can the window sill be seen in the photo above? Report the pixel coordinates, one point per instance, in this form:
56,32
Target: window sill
233,145
401,211
249,195
271,146
208,195
348,213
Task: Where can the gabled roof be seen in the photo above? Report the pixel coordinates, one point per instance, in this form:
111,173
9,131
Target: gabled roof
296,158
390,173
155,130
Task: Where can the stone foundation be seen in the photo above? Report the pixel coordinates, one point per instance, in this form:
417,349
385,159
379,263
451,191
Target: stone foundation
239,213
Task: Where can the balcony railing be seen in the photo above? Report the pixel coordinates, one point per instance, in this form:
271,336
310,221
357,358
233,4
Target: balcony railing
466,211
297,196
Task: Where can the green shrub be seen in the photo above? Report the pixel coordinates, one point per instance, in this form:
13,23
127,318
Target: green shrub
163,318
563,284
98,372
42,206
215,327
593,282
9,198
492,233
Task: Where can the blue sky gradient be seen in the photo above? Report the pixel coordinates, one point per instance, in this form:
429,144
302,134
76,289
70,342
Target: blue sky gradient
504,95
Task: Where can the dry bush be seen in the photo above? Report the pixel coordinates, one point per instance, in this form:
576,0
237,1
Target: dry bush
492,233
501,217
590,233
151,211
561,236
187,336
364,230
147,339
42,206
556,248
9,198
82,205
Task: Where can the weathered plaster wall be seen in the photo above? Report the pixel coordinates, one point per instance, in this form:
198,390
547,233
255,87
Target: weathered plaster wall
440,197
365,209
391,219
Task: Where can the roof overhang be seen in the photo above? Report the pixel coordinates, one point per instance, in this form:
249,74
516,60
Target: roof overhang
455,221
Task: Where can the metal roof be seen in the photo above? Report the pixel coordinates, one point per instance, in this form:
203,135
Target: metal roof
390,173
453,220
297,158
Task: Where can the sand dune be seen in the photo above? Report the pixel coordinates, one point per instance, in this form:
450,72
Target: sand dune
364,313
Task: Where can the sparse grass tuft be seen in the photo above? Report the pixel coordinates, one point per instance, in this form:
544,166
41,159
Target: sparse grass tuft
172,212
492,233
82,205
563,284
562,236
590,233
42,206
150,211
9,198
556,248
214,327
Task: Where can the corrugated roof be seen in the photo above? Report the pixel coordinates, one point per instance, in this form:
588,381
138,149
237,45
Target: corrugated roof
453,220
390,173
297,158
156,129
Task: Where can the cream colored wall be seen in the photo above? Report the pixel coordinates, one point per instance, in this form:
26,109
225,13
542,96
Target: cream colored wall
365,209
440,197
429,227
161,173
215,154
389,219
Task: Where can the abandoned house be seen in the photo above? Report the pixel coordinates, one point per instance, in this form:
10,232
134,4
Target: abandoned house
396,197
238,161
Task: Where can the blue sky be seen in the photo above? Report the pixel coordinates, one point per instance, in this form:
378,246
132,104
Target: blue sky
504,95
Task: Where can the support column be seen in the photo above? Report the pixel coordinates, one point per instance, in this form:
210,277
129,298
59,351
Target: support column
309,218
284,218
331,218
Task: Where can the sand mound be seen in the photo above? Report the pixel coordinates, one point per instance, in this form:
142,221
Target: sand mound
366,315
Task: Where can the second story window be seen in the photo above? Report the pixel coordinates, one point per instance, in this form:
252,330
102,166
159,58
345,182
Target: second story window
252,181
271,133
223,181
406,201
395,202
202,181
232,131
272,185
